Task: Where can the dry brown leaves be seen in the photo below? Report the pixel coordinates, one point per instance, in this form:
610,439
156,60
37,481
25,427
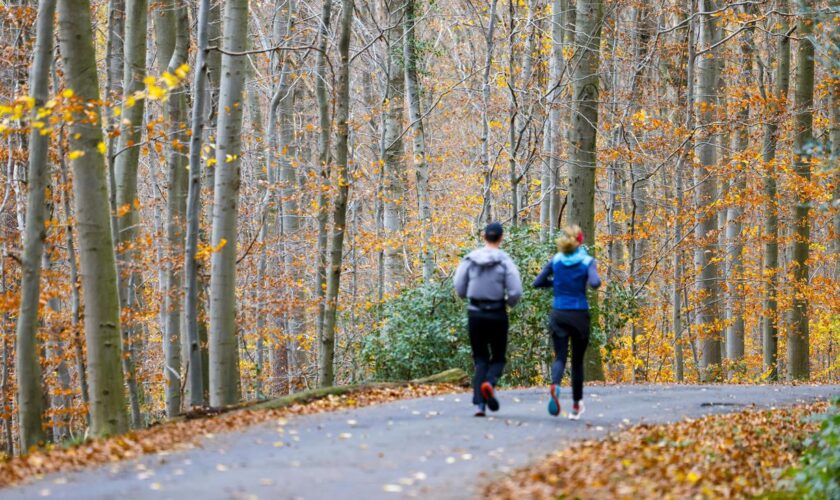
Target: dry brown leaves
719,456
186,433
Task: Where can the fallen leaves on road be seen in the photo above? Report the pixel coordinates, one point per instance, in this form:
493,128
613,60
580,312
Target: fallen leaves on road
186,433
719,456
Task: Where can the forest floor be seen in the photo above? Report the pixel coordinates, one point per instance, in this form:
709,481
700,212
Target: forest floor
428,447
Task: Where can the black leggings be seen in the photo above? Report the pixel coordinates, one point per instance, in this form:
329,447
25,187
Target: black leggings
569,326
488,339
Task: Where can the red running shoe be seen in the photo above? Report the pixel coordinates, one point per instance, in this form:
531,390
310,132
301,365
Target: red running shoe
489,395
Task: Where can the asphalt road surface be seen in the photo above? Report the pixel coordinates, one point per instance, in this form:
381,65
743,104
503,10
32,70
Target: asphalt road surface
426,448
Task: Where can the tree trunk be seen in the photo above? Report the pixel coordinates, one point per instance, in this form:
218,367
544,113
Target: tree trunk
98,267
734,216
551,136
192,355
798,342
27,362
777,105
421,165
326,372
115,57
395,188
705,99
224,356
323,162
582,140
284,354
486,156
125,172
175,208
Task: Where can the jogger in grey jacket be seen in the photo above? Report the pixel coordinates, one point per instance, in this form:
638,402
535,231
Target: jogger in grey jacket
490,280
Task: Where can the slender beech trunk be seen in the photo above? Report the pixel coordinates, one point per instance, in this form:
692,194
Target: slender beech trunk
798,341
98,266
734,216
175,209
326,371
27,362
679,288
393,159
285,355
777,103
582,141
125,173
324,132
415,115
486,155
551,136
224,356
639,182
705,100
61,399
115,52
192,354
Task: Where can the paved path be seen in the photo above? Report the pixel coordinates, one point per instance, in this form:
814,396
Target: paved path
428,448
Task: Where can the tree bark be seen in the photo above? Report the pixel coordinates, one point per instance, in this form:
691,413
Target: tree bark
98,267
734,216
582,140
326,372
415,115
325,130
394,164
224,356
551,136
798,340
705,99
776,107
27,361
192,355
175,209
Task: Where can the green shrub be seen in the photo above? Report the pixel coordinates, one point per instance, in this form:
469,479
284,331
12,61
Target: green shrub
424,330
818,475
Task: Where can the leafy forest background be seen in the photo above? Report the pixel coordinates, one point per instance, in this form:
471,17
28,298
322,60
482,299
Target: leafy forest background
205,202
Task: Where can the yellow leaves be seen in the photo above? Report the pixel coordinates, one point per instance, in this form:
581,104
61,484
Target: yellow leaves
211,162
231,158
101,148
170,80
75,155
182,71
204,251
67,93
494,124
155,93
692,477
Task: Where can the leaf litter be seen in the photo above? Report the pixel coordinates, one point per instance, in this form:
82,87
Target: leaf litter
731,455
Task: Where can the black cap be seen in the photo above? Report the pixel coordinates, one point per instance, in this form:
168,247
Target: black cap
493,232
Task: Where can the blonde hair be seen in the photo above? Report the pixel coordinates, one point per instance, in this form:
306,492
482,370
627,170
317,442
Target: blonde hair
568,240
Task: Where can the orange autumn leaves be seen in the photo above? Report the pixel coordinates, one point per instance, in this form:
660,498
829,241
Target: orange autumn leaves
720,456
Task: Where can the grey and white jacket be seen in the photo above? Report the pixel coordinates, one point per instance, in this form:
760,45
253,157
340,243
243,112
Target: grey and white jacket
488,274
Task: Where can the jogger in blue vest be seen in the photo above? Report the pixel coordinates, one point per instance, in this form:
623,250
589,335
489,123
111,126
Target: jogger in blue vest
569,273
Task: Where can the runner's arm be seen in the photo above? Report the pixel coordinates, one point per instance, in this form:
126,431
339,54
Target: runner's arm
592,275
462,278
544,279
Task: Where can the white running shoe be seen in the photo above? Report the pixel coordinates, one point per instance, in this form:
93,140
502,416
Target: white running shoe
577,411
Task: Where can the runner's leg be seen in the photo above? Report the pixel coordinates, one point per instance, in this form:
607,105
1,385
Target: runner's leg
481,355
498,330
